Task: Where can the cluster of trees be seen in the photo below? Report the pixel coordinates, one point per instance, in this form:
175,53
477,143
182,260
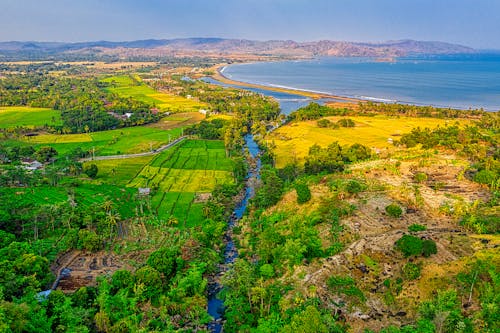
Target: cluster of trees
315,111
344,122
84,103
416,111
334,157
209,129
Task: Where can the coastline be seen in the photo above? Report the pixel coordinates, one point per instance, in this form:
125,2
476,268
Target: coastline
219,76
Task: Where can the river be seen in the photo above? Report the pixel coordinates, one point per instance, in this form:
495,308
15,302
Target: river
216,305
288,104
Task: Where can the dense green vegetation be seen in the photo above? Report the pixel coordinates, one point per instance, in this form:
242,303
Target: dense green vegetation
84,103
311,254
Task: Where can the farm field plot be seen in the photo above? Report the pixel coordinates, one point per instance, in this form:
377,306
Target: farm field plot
120,171
294,140
128,140
132,86
18,116
178,174
85,194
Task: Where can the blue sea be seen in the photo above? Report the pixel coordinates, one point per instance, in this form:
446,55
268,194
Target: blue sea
456,81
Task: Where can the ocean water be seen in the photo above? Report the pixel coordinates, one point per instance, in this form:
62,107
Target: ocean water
457,81
288,102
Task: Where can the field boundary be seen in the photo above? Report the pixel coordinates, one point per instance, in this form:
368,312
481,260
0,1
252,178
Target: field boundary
148,153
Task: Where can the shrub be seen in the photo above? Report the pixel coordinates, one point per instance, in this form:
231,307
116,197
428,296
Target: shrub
394,210
346,122
417,227
345,285
420,177
91,170
428,248
485,177
303,193
411,271
354,187
410,245
324,123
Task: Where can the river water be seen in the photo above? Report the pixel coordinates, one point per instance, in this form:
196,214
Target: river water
216,305
288,103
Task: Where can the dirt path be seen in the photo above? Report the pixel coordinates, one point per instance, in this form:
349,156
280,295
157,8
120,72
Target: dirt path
148,153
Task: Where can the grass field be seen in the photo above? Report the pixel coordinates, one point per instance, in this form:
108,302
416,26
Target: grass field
120,171
294,140
113,142
132,86
18,116
177,175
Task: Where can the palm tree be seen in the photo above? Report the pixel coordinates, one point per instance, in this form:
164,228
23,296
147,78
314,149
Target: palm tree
112,220
107,205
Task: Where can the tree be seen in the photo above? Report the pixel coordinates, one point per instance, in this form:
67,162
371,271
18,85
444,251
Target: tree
428,247
303,193
306,321
91,170
45,154
409,245
164,260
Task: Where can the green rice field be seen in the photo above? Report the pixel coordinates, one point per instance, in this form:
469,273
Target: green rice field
19,116
132,86
128,140
177,175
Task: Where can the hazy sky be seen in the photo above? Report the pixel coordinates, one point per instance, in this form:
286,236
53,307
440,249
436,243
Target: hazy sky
474,23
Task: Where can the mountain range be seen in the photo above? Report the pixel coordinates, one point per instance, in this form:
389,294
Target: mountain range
220,46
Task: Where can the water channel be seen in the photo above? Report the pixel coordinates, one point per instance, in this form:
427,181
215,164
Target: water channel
288,104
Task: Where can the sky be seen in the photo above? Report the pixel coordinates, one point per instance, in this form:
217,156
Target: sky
474,23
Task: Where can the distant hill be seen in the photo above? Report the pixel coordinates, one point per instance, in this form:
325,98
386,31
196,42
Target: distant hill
220,46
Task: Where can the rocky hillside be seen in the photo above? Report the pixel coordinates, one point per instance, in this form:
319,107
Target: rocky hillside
219,46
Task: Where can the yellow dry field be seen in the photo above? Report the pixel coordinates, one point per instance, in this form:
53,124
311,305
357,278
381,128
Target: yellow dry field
178,119
57,138
293,140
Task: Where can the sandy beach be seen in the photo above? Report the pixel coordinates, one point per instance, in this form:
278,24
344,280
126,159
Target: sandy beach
219,76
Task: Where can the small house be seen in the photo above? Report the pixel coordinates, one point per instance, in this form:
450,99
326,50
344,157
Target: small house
31,165
144,191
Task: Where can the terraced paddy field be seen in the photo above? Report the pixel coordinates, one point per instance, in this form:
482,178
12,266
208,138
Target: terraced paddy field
178,175
19,116
132,86
293,140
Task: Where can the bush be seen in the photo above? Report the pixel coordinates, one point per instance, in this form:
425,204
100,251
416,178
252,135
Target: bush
303,193
417,227
428,248
323,123
394,210
485,177
91,170
89,240
346,122
411,271
410,245
345,285
420,177
354,187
